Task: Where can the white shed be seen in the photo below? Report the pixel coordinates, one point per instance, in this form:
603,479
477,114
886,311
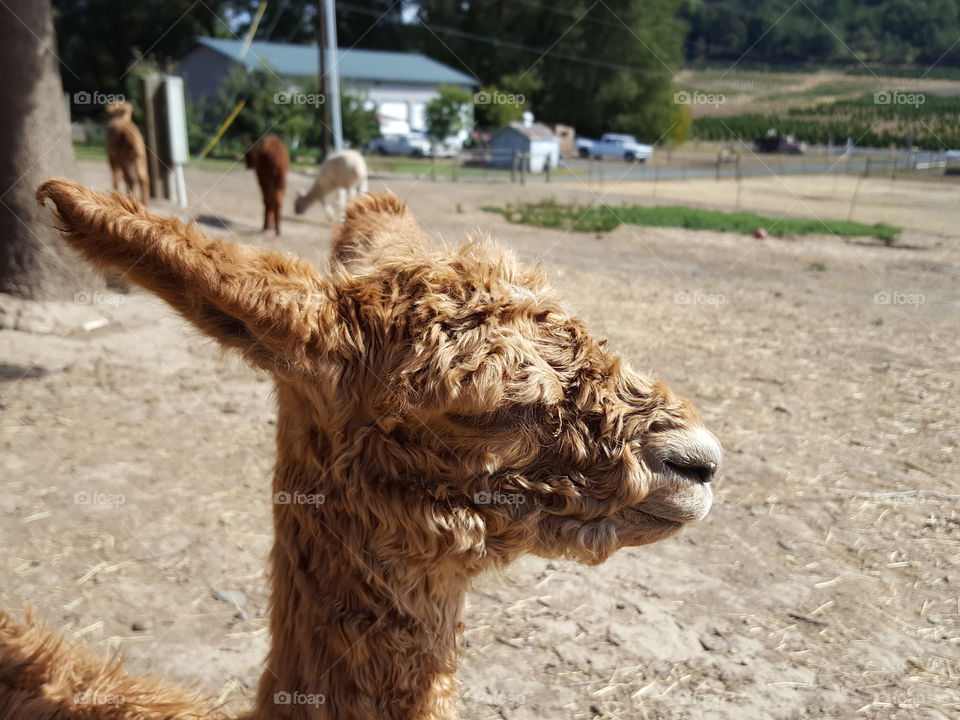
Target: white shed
536,140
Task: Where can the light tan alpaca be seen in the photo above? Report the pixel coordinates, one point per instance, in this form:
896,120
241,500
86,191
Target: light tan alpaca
126,151
439,413
344,173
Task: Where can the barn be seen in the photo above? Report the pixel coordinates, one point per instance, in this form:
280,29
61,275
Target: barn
397,84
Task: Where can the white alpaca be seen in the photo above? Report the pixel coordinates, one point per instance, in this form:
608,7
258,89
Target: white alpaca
343,173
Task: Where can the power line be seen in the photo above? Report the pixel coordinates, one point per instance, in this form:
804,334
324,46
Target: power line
511,45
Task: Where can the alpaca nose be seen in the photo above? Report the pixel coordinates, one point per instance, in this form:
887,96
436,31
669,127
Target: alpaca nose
695,455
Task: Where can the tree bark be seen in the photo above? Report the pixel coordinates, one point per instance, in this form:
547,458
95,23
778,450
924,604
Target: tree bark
36,142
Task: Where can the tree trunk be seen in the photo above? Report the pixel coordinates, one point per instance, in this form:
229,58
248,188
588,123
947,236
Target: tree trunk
36,142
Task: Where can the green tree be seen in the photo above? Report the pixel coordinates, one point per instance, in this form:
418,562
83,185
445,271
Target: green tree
446,114
360,125
99,42
494,107
501,104
608,66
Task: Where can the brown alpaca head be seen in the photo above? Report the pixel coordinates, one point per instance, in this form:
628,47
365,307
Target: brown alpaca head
479,390
444,400
120,109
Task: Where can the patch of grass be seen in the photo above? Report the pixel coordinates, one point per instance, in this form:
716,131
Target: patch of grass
549,213
89,152
817,267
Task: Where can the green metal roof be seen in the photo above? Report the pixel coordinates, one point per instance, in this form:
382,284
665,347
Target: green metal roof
303,61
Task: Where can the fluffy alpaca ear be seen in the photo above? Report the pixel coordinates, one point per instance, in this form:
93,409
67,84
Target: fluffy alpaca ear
377,227
277,310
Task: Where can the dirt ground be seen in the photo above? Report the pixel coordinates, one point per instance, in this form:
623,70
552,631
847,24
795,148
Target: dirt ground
136,460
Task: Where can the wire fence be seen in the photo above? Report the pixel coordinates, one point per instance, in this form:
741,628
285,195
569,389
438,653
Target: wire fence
733,162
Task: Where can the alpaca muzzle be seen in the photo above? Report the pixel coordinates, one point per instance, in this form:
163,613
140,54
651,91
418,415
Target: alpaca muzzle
684,463
694,455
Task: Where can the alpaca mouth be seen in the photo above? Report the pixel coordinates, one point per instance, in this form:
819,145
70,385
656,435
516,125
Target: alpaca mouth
644,515
687,504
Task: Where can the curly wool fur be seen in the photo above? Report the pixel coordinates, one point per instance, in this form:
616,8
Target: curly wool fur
439,413
43,677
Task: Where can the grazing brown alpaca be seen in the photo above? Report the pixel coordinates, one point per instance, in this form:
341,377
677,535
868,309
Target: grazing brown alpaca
126,152
270,160
439,413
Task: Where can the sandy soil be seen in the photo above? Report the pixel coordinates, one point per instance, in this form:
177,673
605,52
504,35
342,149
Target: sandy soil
136,461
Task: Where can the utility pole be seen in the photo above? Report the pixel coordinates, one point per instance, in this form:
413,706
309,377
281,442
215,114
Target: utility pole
325,108
332,129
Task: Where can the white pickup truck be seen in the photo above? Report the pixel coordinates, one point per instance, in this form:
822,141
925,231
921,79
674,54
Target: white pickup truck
622,146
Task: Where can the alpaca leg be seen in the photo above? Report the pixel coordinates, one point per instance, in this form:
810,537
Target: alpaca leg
277,209
363,186
130,180
327,209
117,174
144,179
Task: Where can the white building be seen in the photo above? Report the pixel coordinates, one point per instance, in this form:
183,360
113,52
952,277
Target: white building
397,84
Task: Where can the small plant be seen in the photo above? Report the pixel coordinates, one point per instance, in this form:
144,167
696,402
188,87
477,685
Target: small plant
817,267
877,322
550,214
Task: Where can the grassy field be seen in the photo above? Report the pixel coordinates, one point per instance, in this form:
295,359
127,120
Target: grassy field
551,214
875,109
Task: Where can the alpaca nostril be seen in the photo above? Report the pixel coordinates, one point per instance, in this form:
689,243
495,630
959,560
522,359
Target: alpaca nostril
701,472
693,454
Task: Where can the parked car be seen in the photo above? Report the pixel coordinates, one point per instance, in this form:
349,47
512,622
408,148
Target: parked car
409,144
623,146
584,146
779,144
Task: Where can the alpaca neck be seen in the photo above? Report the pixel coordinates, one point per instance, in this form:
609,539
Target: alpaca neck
355,633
